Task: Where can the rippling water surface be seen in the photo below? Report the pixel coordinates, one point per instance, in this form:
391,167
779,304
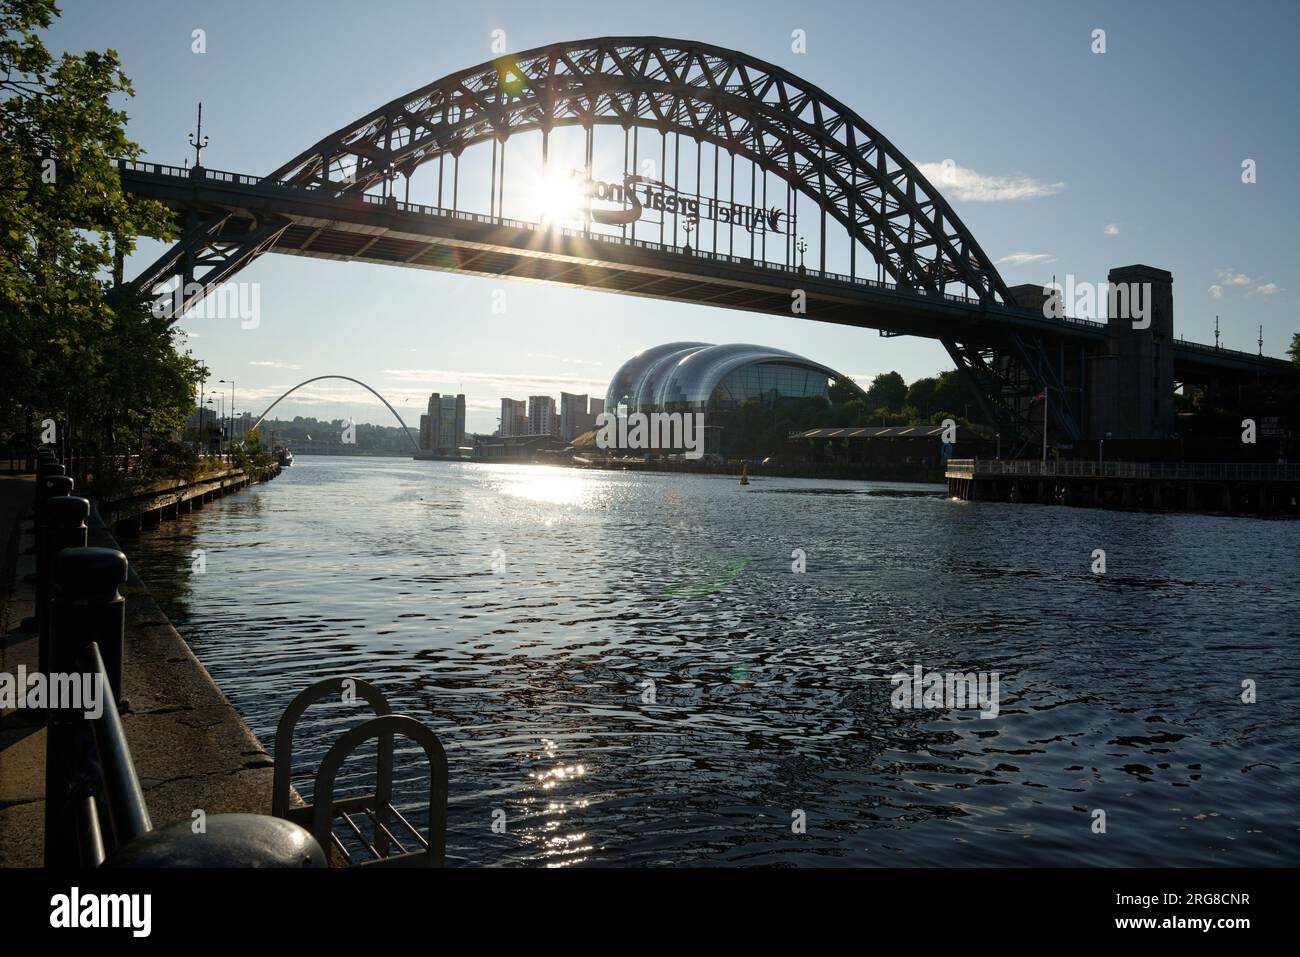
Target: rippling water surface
771,693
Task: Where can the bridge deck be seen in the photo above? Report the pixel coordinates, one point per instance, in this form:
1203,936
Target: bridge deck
375,229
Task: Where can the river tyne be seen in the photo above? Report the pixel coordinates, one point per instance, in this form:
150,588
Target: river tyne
626,670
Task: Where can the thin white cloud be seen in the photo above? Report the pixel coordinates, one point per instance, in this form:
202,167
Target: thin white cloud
565,359
967,185
1258,285
276,364
486,389
1231,277
1021,259
1112,229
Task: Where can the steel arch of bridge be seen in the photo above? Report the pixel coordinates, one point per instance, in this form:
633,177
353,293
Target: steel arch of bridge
754,110
406,428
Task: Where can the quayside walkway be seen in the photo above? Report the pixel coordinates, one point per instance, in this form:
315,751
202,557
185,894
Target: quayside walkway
1237,488
191,748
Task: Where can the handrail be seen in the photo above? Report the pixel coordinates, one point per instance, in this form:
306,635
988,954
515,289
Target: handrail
385,727
1186,471
128,814
283,776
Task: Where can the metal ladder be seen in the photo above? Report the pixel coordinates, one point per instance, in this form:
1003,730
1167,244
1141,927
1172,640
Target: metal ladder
383,846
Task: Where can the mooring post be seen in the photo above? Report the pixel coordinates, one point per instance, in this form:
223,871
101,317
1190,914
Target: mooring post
230,840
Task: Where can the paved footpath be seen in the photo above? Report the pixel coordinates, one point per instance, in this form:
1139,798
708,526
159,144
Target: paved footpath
191,749
22,737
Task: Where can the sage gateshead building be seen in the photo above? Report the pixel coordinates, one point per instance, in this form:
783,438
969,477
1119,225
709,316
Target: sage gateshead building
699,377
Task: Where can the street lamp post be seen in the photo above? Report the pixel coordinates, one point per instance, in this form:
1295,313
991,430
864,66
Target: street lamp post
232,405
198,140
802,246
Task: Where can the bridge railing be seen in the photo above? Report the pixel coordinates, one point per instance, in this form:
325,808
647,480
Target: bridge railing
1172,471
421,209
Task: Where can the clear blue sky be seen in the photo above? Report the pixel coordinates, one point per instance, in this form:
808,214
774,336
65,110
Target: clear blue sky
1129,156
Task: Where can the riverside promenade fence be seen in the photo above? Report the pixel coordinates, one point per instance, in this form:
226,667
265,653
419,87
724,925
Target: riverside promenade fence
72,794
94,808
80,464
1263,488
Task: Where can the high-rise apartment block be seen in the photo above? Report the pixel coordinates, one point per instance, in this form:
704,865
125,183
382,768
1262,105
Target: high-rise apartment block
442,427
514,418
542,419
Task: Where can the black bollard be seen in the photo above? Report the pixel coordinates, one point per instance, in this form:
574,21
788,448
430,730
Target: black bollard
86,607
51,487
228,840
46,469
62,523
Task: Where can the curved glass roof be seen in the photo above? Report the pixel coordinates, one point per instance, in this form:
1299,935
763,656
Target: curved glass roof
625,385
679,372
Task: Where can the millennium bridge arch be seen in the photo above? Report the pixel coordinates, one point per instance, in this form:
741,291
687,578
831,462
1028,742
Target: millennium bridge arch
798,148
262,418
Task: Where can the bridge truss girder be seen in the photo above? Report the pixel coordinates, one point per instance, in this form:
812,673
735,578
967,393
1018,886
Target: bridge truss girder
752,109
208,254
1007,372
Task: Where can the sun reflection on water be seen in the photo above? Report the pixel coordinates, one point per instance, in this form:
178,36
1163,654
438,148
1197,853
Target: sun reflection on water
558,848
551,486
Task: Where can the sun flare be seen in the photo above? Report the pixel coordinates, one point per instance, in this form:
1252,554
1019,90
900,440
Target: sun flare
560,199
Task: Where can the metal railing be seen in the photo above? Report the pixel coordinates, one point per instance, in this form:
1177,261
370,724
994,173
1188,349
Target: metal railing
1173,471
95,809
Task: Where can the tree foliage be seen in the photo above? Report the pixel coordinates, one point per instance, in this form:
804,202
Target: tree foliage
887,391
74,348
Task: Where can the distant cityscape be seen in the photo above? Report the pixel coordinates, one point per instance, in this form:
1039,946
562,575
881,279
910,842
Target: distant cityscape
442,425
